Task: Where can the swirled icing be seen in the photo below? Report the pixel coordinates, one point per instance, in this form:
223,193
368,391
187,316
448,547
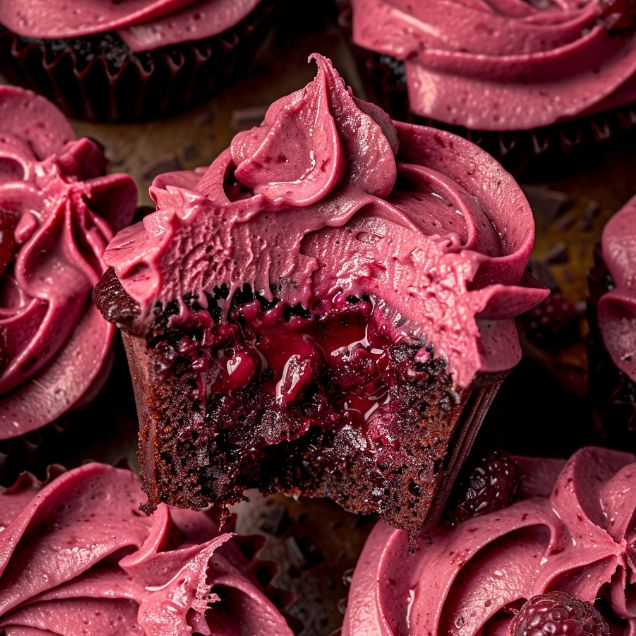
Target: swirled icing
327,196
76,556
142,24
62,209
574,530
504,64
617,308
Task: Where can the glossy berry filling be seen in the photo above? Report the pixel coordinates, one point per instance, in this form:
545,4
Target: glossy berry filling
337,365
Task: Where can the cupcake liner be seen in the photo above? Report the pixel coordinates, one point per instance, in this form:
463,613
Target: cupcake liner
612,392
99,78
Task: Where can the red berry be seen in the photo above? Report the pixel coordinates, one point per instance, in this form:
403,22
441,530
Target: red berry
557,613
619,15
8,246
553,323
489,485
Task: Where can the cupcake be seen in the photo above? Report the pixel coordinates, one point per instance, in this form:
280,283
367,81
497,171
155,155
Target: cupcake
564,552
119,61
518,77
58,210
612,316
326,310
76,556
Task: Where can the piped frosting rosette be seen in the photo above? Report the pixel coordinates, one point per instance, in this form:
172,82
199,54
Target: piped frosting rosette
58,210
76,556
573,530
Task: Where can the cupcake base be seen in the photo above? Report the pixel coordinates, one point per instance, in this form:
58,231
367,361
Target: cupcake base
100,78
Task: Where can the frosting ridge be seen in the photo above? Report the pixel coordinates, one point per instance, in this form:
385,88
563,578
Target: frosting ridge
505,65
573,531
58,210
329,196
617,308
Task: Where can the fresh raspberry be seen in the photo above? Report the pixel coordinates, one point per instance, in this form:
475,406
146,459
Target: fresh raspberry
554,322
7,240
619,15
489,485
558,613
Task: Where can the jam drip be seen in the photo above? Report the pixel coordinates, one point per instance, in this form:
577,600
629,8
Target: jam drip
334,366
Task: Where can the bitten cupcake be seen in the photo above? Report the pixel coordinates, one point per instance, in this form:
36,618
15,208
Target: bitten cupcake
328,309
77,557
58,210
506,66
118,61
561,560
612,316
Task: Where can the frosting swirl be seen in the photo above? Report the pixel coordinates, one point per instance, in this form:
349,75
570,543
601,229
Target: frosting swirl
617,308
77,552
572,531
58,210
505,64
329,196
143,25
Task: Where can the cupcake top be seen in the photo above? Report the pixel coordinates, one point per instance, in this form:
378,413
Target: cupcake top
329,196
58,210
142,24
572,531
506,64
617,308
76,556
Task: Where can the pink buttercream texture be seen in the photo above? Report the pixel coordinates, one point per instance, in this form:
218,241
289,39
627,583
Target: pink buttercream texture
54,344
328,195
617,308
573,530
142,24
503,64
77,557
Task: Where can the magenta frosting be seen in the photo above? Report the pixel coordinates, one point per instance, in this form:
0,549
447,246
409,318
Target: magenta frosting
504,64
329,196
617,308
63,209
142,24
76,556
573,530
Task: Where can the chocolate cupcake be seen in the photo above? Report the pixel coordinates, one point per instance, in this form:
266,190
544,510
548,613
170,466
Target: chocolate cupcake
76,556
612,318
58,210
120,61
516,77
326,310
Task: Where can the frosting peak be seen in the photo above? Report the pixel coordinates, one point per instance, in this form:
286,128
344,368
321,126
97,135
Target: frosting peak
573,530
330,196
617,308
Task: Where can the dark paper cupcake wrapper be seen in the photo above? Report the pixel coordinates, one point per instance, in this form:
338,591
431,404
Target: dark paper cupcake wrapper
126,86
612,392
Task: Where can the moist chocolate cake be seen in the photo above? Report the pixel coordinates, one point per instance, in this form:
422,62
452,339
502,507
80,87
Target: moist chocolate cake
327,309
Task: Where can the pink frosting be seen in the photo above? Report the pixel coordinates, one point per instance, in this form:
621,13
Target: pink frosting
328,195
142,24
58,210
504,64
574,530
76,556
617,308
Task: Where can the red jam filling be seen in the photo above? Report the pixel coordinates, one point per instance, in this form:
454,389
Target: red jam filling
335,364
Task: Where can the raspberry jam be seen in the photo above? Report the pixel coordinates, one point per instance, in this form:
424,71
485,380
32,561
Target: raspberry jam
332,366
